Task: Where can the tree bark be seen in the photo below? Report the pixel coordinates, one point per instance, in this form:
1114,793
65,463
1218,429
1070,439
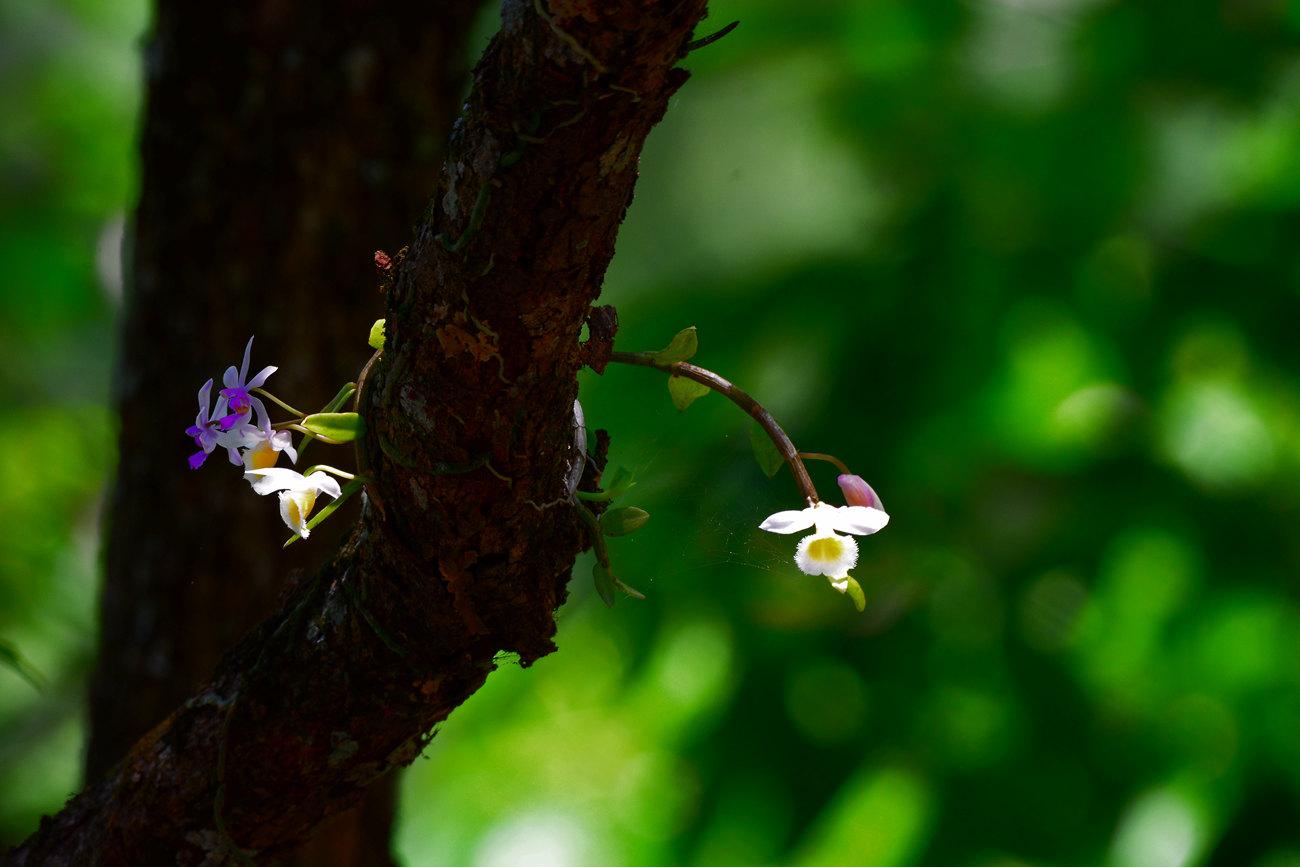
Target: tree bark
282,145
468,534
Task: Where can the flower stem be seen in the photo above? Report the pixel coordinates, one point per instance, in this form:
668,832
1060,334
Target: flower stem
326,468
741,399
293,425
830,459
284,406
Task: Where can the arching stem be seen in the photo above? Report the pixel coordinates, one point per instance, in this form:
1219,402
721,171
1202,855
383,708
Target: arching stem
830,459
284,406
741,399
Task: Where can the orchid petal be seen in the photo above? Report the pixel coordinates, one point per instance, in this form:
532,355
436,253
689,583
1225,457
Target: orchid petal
196,460
263,418
858,520
231,377
857,492
326,484
788,522
294,506
263,375
205,396
289,450
229,421
243,368
274,479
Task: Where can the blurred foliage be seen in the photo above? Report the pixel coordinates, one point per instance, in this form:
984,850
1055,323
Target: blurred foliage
1029,266
69,94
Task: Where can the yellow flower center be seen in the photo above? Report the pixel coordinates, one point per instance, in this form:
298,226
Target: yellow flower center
826,550
300,506
262,456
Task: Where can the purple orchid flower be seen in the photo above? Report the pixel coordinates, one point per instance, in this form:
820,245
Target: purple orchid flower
236,392
206,429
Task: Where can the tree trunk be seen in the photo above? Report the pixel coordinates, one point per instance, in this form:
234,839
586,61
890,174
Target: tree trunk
465,544
282,145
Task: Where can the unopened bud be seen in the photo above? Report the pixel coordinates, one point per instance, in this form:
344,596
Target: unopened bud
858,493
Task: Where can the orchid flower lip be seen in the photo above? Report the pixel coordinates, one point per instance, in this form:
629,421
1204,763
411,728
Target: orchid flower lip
830,550
297,493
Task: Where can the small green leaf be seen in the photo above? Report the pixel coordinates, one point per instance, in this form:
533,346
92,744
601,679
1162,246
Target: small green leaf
377,334
618,481
769,459
620,522
855,593
348,490
339,399
604,583
680,348
10,656
339,426
685,391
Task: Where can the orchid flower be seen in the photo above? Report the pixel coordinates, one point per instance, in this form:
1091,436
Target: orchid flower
262,445
297,492
206,429
237,389
826,552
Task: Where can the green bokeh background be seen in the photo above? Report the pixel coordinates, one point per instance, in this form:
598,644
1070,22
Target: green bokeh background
1030,266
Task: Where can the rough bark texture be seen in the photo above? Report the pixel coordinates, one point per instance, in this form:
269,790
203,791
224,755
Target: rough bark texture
282,145
465,544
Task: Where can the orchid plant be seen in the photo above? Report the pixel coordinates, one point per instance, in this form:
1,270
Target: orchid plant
830,551
256,448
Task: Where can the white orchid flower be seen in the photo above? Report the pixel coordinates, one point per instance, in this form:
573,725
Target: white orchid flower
262,445
826,551
297,492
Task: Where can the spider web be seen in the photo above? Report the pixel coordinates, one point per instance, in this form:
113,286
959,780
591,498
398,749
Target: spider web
722,507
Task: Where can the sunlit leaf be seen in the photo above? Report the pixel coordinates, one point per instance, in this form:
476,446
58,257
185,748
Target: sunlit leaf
620,522
604,583
685,391
376,340
9,656
339,426
855,593
618,481
681,348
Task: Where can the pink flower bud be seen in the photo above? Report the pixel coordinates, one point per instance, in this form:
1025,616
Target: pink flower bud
858,493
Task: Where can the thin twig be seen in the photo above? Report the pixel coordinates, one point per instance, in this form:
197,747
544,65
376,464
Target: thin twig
741,399
326,468
830,459
284,406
